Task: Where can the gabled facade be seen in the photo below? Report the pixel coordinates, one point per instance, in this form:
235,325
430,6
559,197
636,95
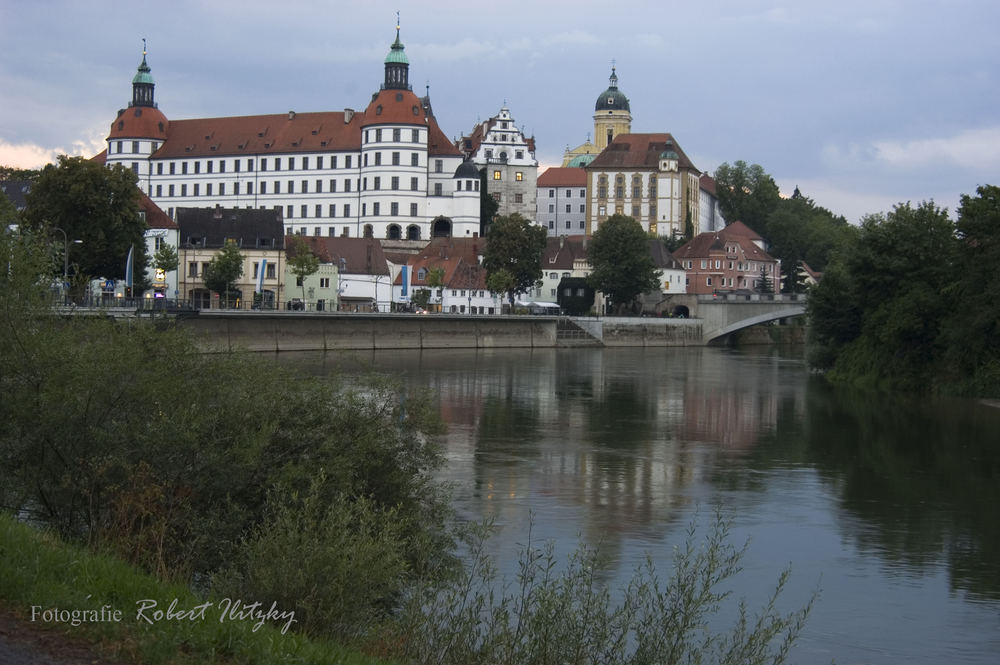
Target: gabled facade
464,290
730,260
508,157
259,234
386,172
564,256
562,201
647,177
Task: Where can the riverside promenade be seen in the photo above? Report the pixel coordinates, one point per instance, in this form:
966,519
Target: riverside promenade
221,330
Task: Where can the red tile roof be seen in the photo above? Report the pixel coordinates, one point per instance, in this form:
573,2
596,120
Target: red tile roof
559,253
140,122
155,217
638,151
707,183
558,176
361,256
458,257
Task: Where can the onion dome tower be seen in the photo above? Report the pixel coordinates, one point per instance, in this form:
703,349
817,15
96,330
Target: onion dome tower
139,130
612,115
397,66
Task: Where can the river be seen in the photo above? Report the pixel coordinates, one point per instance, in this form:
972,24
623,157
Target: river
886,504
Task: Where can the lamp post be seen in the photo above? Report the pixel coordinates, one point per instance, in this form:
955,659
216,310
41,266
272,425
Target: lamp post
66,252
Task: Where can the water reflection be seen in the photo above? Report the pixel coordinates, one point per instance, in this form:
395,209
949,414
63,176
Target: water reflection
890,500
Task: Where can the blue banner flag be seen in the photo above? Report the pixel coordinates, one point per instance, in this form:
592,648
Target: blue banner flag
260,276
129,267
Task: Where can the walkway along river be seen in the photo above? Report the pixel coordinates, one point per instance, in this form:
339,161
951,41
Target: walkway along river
887,504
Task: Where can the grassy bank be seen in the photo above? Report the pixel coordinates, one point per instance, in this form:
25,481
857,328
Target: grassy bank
47,578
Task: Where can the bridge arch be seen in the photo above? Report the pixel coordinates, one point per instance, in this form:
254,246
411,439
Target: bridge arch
774,315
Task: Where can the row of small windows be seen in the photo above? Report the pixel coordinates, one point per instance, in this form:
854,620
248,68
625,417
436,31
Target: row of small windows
397,135
619,189
498,175
518,154
569,193
552,208
247,187
288,163
569,225
395,157
751,266
393,209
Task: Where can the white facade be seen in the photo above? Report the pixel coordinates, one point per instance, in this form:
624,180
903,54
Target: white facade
500,147
164,284
562,210
386,172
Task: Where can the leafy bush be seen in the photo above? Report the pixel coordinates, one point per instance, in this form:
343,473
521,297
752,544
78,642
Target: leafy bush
554,616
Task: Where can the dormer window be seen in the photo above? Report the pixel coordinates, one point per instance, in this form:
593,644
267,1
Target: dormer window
422,274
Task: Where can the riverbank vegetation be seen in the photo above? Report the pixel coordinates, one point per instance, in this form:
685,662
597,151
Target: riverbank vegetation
912,301
231,478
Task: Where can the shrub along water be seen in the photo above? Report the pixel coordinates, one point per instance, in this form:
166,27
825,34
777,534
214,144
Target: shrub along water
231,476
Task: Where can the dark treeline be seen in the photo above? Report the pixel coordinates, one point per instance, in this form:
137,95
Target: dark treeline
912,301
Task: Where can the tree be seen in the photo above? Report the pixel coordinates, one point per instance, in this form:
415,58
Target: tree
222,272
97,205
623,267
514,245
799,230
8,213
165,258
746,194
766,284
14,173
302,262
973,329
877,314
435,280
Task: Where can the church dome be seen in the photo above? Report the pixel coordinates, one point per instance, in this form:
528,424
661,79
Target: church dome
581,161
612,99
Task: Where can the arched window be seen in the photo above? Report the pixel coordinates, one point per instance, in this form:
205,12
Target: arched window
413,232
369,231
393,232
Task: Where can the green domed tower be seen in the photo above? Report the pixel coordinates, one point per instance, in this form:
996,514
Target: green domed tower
612,115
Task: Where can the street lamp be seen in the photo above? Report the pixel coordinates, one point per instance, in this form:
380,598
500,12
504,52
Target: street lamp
66,252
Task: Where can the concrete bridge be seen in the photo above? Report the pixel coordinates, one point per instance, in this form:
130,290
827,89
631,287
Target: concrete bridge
727,313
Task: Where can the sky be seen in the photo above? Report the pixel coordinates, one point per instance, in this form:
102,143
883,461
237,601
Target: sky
860,104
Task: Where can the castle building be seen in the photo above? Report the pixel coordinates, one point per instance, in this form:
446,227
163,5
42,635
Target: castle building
647,177
388,171
508,157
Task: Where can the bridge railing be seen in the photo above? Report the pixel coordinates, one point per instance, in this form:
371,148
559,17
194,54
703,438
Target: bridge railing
752,297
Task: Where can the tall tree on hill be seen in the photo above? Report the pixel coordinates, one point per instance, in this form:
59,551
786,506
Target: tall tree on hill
746,194
514,246
623,267
97,205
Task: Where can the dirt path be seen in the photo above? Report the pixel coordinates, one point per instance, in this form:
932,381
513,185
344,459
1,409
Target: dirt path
24,643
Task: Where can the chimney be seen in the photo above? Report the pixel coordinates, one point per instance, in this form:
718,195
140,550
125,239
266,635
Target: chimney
291,115
348,114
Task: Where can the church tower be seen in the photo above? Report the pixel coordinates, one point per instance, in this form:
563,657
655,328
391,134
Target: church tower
612,115
139,130
397,66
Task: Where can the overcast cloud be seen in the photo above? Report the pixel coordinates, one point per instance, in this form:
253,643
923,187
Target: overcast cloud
862,104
